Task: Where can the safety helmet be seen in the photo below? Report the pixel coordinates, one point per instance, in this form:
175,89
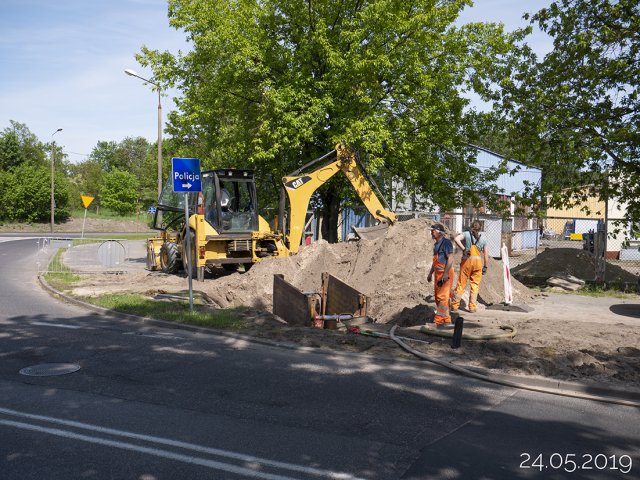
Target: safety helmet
225,198
438,227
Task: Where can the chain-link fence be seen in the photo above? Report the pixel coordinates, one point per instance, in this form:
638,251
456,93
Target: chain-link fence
540,248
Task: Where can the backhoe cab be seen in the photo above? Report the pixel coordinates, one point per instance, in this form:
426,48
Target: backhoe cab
225,228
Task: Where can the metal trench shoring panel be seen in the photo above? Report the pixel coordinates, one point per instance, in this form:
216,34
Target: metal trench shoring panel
340,298
292,305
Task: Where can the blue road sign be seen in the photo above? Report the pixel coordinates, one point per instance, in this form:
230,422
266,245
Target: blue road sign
186,175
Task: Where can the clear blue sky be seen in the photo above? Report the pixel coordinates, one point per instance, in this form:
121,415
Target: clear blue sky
62,65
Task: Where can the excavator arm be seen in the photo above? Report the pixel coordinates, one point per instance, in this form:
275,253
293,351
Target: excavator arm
300,187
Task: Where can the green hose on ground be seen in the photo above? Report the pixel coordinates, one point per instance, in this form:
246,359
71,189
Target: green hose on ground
509,333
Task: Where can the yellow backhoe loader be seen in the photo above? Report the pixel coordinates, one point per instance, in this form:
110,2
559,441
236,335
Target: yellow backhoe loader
225,228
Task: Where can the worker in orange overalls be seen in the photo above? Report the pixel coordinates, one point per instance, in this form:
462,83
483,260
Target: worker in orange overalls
472,266
442,266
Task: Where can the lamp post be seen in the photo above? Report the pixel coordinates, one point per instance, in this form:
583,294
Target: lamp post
132,73
53,202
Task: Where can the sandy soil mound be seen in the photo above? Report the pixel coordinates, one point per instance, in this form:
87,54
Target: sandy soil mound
390,270
578,263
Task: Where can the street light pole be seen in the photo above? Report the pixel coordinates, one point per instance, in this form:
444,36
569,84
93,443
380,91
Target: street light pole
132,73
53,202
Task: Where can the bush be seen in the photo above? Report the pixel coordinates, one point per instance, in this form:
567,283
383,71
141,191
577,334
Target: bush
120,192
26,194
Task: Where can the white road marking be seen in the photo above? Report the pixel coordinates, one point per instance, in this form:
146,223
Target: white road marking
257,461
10,239
150,451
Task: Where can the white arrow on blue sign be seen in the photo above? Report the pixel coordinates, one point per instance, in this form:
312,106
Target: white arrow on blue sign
186,175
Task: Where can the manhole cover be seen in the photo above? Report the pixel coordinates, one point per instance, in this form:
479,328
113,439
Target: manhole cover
50,369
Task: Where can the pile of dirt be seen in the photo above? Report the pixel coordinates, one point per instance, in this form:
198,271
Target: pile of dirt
570,261
390,270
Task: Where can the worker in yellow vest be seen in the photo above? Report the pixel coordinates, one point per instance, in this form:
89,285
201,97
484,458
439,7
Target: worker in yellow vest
475,257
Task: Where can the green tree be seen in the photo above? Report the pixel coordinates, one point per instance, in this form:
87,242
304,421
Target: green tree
27,194
134,155
137,156
19,145
273,84
120,191
86,178
104,154
576,112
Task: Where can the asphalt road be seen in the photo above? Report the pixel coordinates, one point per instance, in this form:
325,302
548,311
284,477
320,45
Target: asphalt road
152,403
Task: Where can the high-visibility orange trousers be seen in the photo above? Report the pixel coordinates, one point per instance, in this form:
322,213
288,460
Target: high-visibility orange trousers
470,270
442,294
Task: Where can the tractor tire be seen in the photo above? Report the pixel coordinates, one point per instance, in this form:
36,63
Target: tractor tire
169,258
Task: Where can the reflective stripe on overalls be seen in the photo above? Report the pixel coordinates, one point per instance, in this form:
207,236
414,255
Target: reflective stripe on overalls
442,292
470,269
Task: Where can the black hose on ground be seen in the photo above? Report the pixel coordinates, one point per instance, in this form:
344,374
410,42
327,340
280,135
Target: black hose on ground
508,383
510,333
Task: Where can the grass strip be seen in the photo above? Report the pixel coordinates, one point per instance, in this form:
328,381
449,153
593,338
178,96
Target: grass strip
62,278
172,311
59,276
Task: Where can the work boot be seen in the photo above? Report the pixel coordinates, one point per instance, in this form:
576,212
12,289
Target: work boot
471,310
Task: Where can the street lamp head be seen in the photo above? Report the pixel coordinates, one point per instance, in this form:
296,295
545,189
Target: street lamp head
133,73
58,130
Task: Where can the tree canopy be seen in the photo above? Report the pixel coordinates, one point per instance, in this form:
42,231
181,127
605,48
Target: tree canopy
18,145
273,84
120,191
575,113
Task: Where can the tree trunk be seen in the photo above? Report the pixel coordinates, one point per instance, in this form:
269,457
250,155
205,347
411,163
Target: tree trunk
330,213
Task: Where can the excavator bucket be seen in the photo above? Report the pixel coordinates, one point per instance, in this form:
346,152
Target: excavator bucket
370,233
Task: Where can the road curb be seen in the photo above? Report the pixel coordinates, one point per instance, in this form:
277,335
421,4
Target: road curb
212,331
598,392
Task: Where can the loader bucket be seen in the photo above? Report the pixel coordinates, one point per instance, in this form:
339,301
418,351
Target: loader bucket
371,233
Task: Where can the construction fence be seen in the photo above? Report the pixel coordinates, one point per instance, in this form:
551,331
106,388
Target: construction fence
86,255
540,248
588,248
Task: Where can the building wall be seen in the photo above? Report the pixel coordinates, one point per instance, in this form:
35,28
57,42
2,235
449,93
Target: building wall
615,210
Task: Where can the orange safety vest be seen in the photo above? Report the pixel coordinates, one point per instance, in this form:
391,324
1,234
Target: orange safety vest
470,270
441,292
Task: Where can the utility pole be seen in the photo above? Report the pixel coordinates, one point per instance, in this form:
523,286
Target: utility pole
53,202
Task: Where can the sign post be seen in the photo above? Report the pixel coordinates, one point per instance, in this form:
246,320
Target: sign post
185,173
86,201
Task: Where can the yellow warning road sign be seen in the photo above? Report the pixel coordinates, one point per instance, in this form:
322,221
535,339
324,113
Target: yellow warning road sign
86,200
